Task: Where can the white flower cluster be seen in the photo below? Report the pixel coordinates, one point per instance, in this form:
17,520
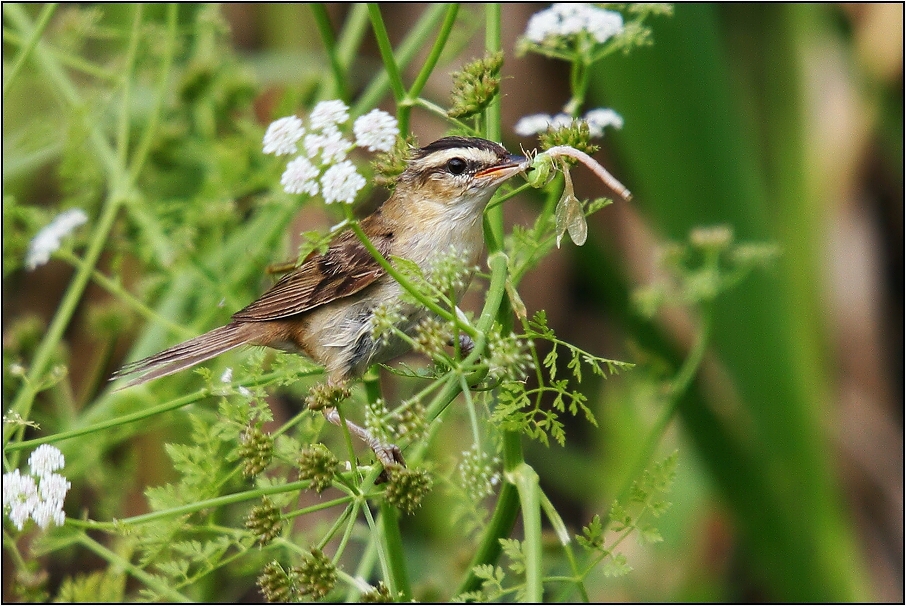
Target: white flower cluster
40,494
597,120
323,167
47,241
564,19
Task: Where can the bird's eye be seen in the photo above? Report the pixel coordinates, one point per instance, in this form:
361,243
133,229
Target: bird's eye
456,166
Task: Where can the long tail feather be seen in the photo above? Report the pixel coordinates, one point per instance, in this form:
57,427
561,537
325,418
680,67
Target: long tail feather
184,355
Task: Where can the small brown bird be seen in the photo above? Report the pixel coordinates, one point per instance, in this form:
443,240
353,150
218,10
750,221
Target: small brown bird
323,308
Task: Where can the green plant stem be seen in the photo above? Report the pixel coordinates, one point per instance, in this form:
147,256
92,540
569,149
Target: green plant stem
213,503
116,560
565,539
396,556
405,107
351,36
29,46
322,20
526,481
169,50
122,128
144,413
386,50
412,44
116,289
678,388
502,520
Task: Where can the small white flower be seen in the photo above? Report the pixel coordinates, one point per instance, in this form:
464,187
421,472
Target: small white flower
46,512
299,177
561,121
603,24
53,488
282,136
245,391
377,130
20,497
329,144
328,114
47,241
532,125
563,20
227,375
45,460
600,118
541,25
41,501
341,182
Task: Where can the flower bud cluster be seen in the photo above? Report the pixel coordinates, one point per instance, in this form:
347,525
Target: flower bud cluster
406,487
313,579
475,86
377,595
316,575
264,521
324,395
318,465
323,167
256,449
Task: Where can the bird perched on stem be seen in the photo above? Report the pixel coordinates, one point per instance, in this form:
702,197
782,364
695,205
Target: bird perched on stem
323,307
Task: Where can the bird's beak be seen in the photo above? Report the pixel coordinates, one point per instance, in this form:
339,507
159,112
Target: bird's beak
503,170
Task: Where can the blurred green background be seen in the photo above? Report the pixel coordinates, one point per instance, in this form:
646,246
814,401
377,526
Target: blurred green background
784,122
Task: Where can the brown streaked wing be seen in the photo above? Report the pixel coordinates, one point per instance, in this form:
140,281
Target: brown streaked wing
345,269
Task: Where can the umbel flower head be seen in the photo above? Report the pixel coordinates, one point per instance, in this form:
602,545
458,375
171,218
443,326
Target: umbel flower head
322,166
38,496
565,20
596,119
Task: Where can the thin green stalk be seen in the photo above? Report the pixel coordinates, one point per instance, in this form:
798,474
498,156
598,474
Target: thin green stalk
322,20
386,49
144,413
377,535
122,130
349,515
213,503
352,34
576,581
116,289
137,162
29,46
492,44
680,384
119,562
440,43
411,45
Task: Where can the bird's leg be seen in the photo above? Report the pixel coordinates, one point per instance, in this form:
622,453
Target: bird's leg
388,454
